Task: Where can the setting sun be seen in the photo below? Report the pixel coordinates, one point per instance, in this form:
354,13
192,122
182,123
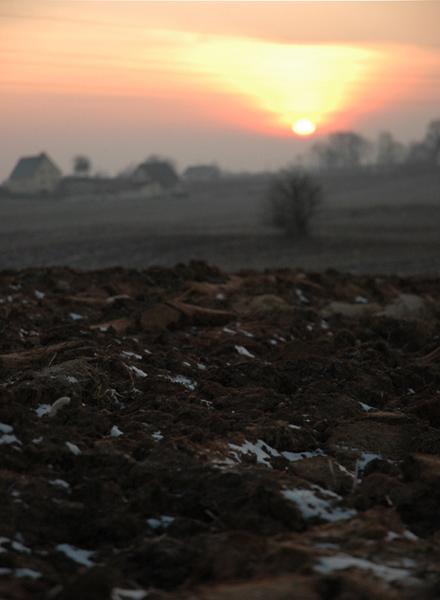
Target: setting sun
304,127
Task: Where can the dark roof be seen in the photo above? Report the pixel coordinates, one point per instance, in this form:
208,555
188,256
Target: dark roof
162,172
27,166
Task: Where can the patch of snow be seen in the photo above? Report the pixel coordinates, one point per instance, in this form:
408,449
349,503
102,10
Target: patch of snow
411,391
311,505
294,456
72,379
324,324
247,333
8,437
230,331
294,426
242,350
76,316
182,380
329,564
40,295
367,457
262,451
301,296
309,327
16,494
361,300
73,448
157,436
30,573
43,409
185,381
60,482
136,371
116,432
128,354
201,367
78,555
366,407
38,440
220,296
122,594
119,297
208,403
410,535
3,540
164,521
19,547
223,463
273,342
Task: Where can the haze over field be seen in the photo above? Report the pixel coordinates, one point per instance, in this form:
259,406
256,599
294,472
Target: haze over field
211,81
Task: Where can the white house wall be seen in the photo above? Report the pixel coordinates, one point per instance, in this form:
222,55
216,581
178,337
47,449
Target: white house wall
45,179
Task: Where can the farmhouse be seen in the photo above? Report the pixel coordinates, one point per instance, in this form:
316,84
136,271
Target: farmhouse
34,175
158,172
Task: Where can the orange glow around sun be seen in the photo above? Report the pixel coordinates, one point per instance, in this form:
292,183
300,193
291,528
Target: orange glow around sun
301,88
183,76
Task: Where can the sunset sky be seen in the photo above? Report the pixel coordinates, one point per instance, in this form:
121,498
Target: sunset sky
204,82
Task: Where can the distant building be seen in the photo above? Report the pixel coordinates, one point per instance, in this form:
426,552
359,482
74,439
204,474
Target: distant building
160,172
34,175
202,173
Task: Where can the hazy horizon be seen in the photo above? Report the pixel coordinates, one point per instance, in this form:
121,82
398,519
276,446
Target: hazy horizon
203,82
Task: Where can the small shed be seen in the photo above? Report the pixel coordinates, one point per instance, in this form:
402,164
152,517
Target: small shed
160,172
34,175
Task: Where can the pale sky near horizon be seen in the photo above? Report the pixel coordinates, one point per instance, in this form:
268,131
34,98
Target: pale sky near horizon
203,82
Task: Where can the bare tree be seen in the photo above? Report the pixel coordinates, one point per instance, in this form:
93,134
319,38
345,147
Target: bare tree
349,148
292,200
426,151
389,152
81,165
344,149
432,140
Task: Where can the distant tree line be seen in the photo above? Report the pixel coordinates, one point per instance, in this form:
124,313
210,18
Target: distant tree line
294,196
346,149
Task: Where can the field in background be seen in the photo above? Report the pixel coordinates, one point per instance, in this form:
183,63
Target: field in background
371,222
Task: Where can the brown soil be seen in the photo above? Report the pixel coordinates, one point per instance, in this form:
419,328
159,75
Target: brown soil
227,436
